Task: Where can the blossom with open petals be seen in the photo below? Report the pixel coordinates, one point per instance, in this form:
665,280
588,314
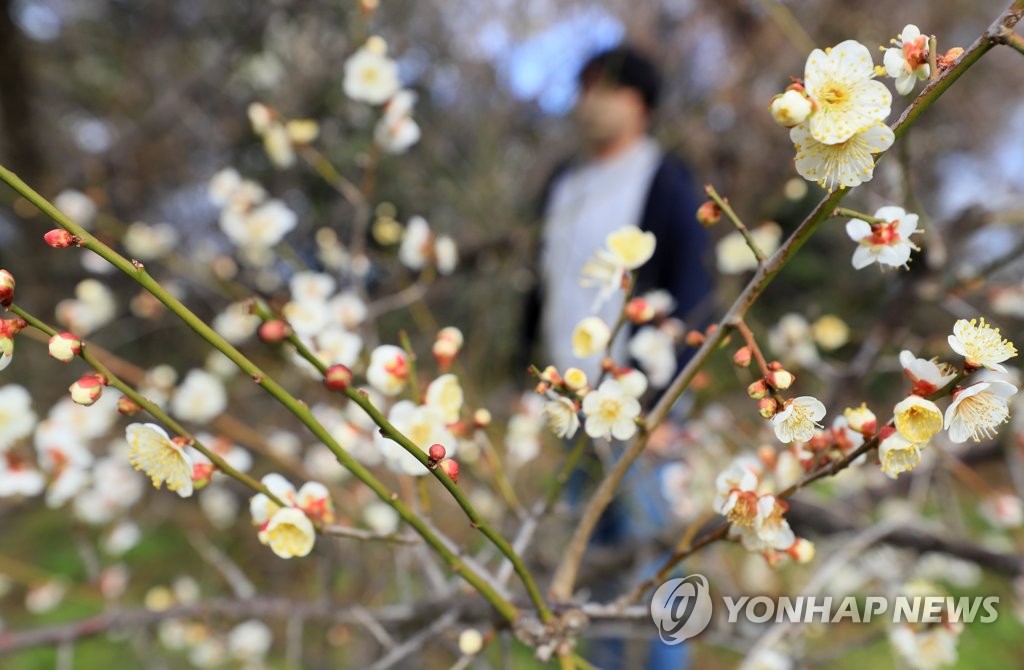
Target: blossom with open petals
798,419
630,246
917,419
200,397
397,130
610,412
976,411
908,60
844,164
289,533
590,337
840,80
389,370
154,453
562,417
370,76
769,529
896,453
445,393
927,376
980,344
886,243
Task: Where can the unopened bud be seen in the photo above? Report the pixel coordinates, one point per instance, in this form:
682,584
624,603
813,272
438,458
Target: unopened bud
338,378
767,407
576,379
790,108
470,642
758,389
87,390
639,311
775,365
694,338
482,418
861,419
65,346
781,379
444,351
742,357
450,468
6,289
550,375
202,473
274,331
436,452
709,213
802,550
58,238
127,406
945,61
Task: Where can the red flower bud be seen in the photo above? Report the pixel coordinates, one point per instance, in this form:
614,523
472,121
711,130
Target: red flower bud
639,311
695,338
742,357
436,452
88,389
450,468
338,378
58,238
709,213
127,406
273,331
6,289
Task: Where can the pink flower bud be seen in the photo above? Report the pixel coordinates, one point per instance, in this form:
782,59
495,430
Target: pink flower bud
87,390
758,389
639,311
767,407
695,338
202,473
6,289
338,378
127,406
742,357
450,468
436,452
11,327
65,346
709,213
273,331
781,379
58,238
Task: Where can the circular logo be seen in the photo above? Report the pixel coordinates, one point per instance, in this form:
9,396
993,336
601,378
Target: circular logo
681,608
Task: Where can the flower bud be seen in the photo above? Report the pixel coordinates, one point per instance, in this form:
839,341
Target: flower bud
767,407
575,379
87,389
470,642
65,346
6,289
639,311
338,378
202,473
450,468
781,379
436,452
550,375
775,365
482,418
694,338
758,389
444,353
127,406
58,238
709,213
790,108
861,419
802,550
742,357
273,331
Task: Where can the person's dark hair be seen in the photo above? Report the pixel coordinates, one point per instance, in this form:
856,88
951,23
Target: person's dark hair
624,66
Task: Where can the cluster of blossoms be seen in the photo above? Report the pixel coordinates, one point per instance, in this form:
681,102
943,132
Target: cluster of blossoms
610,411
756,516
251,221
421,248
281,136
289,530
372,77
327,322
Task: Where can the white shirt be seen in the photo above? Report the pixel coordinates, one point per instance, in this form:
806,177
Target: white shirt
586,204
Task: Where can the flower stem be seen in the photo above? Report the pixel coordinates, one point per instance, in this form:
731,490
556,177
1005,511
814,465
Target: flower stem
843,212
726,208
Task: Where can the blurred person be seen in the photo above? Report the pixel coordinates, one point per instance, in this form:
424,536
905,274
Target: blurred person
620,176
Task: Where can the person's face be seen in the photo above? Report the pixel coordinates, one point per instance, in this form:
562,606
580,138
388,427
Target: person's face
605,113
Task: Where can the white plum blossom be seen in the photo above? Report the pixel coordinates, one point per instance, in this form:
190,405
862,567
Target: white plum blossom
19,478
446,395
260,228
17,420
416,246
370,76
792,339
424,425
927,376
397,131
981,345
250,641
733,254
654,349
978,410
77,206
388,371
926,648
840,80
289,533
236,323
908,60
590,337
148,242
610,412
896,453
842,165
92,308
164,460
769,529
886,243
798,419
562,416
200,397
312,287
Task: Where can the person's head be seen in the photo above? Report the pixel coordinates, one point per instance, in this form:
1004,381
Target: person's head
618,94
